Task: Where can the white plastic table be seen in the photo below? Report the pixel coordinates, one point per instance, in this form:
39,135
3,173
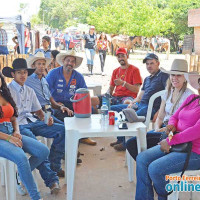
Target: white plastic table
76,128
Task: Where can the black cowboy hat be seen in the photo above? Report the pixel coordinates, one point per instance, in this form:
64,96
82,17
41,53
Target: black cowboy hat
18,64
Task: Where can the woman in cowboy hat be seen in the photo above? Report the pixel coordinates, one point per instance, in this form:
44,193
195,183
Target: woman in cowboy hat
155,163
175,95
13,145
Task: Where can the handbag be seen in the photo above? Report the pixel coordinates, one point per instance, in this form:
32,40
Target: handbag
184,147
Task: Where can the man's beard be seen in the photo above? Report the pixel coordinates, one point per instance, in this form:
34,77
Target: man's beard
69,69
122,62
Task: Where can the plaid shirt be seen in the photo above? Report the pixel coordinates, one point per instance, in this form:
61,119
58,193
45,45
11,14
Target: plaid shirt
3,37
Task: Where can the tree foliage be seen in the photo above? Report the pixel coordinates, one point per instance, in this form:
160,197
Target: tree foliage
130,17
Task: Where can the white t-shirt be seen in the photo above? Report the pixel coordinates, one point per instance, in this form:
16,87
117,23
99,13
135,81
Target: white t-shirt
169,104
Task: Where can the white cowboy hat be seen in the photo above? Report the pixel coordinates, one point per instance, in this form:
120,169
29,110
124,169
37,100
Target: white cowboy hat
193,79
179,66
38,56
61,56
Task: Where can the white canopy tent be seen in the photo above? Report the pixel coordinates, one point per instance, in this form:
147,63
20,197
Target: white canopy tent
17,20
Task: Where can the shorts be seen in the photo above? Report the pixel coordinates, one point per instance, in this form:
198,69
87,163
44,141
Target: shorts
115,100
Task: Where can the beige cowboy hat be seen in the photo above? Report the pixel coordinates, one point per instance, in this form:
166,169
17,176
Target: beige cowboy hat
61,56
179,66
193,79
38,56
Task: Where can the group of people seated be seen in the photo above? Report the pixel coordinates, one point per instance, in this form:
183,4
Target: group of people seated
178,110
23,105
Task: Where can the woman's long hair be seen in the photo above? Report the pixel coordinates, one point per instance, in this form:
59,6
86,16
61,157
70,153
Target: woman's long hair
100,37
5,93
169,87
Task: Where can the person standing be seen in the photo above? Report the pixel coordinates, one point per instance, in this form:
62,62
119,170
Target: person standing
46,40
27,39
3,41
67,37
56,35
102,44
89,44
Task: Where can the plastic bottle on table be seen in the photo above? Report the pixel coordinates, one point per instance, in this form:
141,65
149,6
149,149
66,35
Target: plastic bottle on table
104,114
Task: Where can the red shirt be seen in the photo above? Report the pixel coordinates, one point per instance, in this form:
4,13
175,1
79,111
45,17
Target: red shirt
131,75
8,112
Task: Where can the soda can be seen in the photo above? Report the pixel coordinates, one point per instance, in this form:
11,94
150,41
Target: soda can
111,118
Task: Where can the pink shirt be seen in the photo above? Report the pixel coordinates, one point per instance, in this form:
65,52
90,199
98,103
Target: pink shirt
187,122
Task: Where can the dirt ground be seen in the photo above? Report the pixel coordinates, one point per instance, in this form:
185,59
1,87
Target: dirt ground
103,175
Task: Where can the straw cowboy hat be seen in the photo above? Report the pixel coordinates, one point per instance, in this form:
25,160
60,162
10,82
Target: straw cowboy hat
38,56
61,56
193,79
179,66
18,64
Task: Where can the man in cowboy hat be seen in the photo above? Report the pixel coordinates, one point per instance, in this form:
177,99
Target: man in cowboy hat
38,83
152,84
64,81
32,126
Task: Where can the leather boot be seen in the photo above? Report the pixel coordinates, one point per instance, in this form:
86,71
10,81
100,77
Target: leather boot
89,67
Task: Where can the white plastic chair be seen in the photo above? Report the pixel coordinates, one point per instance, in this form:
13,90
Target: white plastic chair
150,106
8,178
175,194
8,173
128,160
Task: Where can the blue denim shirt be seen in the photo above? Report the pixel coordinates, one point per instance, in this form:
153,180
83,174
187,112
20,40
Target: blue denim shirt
153,84
41,88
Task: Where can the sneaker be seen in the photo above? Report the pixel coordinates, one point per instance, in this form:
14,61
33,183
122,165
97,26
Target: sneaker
103,73
20,186
119,147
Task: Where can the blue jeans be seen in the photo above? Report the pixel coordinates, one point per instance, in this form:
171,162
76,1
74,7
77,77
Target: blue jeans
90,53
152,140
4,50
67,44
141,111
153,165
26,50
38,151
56,131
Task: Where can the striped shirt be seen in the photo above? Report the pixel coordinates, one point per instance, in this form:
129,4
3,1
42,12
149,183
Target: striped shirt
41,88
3,37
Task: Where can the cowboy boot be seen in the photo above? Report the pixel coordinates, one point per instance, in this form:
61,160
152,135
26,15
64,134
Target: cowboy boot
89,67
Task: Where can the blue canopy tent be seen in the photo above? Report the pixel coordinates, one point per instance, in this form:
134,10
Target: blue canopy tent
17,20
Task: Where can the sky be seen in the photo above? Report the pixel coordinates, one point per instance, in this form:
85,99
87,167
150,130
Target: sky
11,8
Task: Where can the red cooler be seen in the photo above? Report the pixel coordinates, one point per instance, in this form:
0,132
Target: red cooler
82,103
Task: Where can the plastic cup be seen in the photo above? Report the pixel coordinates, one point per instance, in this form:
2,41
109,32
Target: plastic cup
47,115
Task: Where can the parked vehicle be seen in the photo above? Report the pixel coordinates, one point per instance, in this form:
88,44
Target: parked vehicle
74,44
